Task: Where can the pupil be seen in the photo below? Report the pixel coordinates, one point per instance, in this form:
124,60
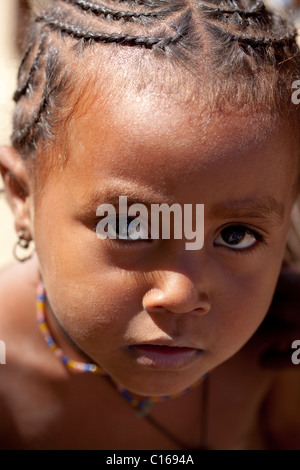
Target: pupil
233,236
123,228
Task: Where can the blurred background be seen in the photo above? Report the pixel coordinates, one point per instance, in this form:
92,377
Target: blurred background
9,58
13,18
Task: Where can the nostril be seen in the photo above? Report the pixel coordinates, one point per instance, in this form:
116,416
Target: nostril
156,301
178,292
202,310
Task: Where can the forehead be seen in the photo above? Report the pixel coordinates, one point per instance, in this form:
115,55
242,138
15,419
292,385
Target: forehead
159,140
148,121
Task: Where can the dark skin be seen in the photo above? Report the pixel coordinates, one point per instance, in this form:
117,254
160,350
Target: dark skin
79,400
215,299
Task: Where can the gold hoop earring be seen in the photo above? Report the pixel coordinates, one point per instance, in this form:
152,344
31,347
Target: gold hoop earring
20,246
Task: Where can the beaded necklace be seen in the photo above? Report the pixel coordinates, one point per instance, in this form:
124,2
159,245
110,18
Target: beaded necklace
142,406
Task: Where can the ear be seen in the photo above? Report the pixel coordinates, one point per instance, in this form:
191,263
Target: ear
17,188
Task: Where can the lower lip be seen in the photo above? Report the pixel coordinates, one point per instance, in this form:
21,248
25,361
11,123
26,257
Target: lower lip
164,357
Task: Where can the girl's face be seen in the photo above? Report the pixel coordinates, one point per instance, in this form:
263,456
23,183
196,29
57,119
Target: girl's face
153,314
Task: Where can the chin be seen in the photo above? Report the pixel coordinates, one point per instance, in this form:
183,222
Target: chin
161,387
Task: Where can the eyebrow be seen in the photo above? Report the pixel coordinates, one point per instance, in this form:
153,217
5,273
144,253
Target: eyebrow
268,209
106,196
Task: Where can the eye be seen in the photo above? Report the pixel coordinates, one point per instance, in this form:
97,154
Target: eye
237,237
122,227
129,228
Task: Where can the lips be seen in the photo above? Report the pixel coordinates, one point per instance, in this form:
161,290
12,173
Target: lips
164,357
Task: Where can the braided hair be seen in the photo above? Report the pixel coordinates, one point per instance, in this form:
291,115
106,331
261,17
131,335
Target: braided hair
229,44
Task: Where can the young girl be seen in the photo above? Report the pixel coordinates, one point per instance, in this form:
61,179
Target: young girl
150,345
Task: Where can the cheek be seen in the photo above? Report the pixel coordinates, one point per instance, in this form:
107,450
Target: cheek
95,308
244,289
87,293
240,310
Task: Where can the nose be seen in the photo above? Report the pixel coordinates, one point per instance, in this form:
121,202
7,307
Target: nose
176,292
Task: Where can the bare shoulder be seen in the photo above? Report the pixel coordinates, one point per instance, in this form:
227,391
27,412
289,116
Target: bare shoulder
18,326
17,334
17,304
17,293
18,274
281,411
281,326
280,418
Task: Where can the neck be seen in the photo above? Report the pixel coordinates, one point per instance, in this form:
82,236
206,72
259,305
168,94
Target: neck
62,339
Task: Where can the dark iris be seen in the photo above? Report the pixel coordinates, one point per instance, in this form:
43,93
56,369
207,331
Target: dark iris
235,235
125,232
123,226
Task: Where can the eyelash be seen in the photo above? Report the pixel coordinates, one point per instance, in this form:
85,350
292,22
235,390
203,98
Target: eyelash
259,239
125,241
237,227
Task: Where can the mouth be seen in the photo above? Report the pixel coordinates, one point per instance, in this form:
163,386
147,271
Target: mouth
164,357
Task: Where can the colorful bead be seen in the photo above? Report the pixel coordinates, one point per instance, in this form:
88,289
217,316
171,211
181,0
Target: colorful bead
142,406
71,364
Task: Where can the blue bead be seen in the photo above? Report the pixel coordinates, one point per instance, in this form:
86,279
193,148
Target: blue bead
127,396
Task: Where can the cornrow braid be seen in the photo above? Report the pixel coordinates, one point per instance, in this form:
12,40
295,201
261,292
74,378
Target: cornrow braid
236,4
288,39
212,36
240,18
27,135
26,55
254,10
146,3
231,53
21,90
217,31
101,10
148,42
253,36
20,137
